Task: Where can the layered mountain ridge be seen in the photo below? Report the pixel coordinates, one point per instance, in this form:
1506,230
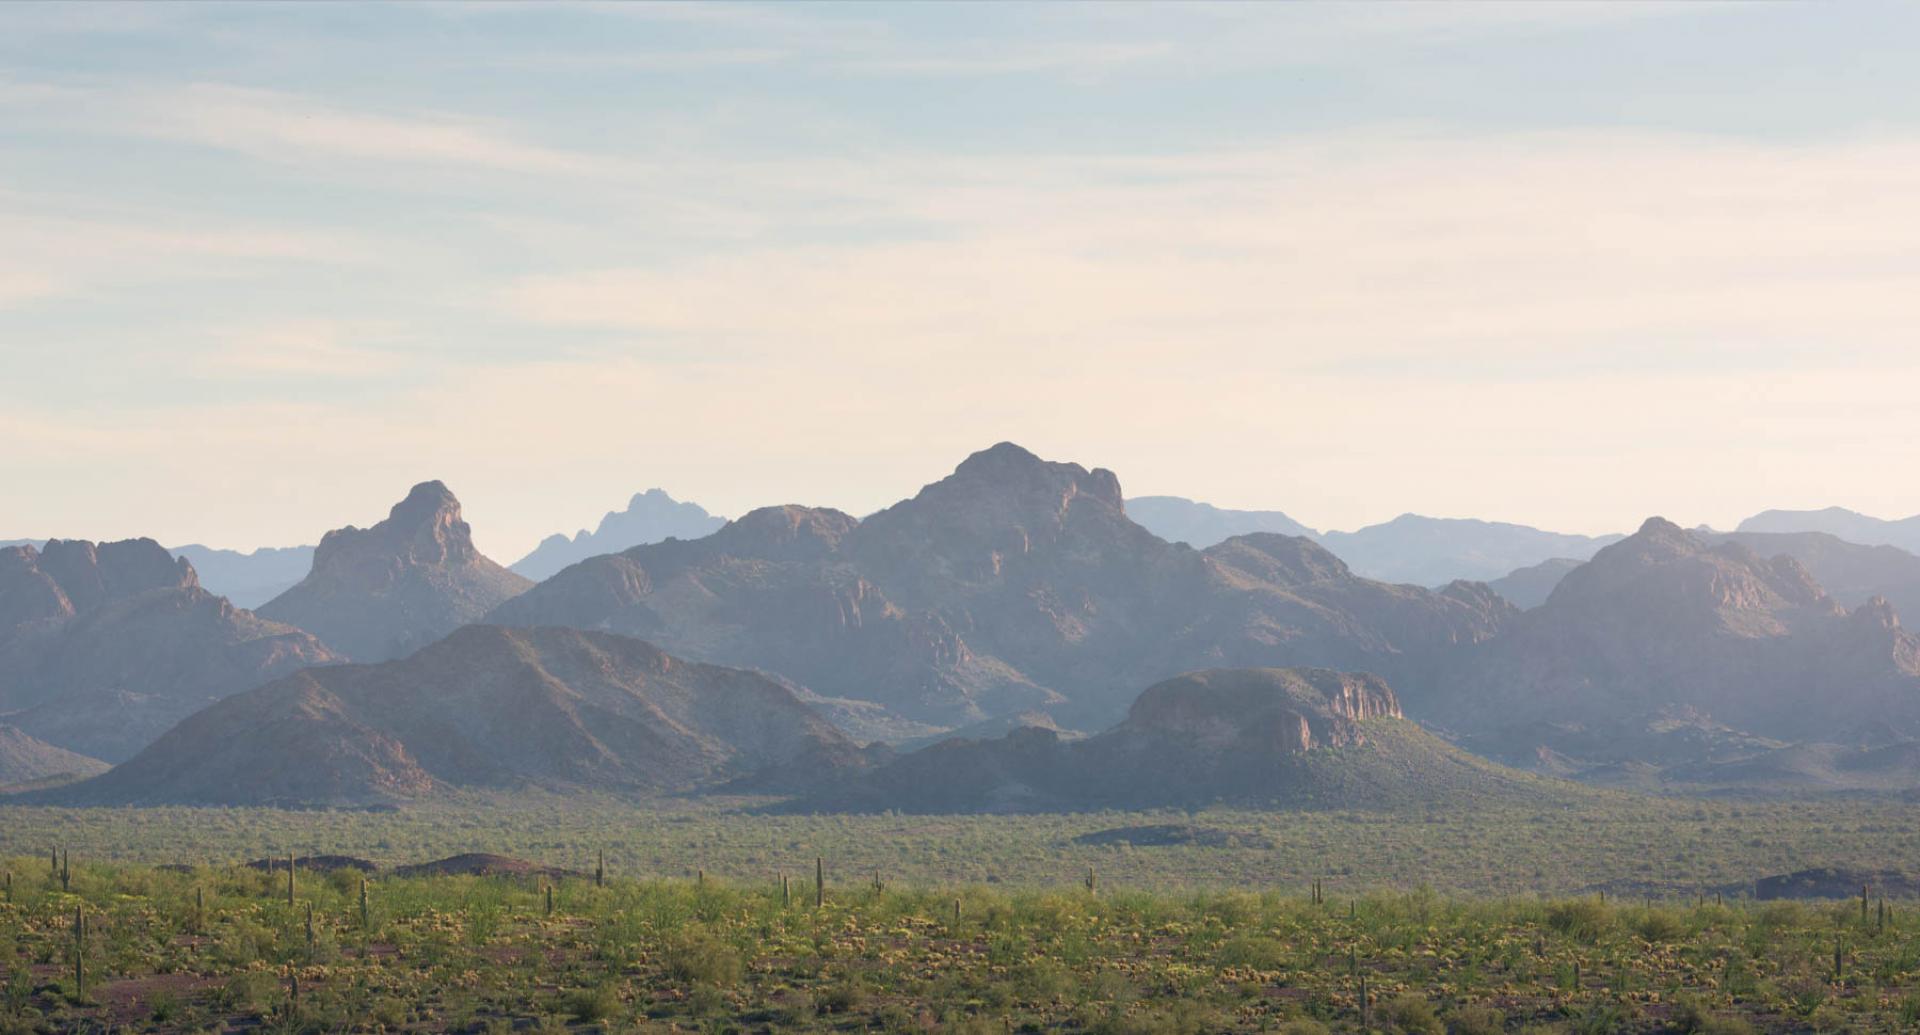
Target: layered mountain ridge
650,517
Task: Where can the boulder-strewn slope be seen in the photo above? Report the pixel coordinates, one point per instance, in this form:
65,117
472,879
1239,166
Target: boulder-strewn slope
487,707
381,592
1288,737
103,646
1012,584
25,759
1667,633
650,517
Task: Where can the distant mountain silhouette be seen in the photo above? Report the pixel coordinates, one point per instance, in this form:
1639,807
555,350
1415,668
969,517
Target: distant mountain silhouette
249,578
1011,584
382,592
485,708
1668,623
650,517
1201,525
1430,551
1841,523
1413,549
103,646
1287,737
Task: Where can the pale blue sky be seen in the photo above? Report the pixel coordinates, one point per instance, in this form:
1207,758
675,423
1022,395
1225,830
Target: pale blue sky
264,266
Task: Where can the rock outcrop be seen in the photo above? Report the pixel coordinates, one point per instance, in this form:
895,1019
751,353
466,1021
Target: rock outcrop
1012,584
103,646
651,517
382,592
485,708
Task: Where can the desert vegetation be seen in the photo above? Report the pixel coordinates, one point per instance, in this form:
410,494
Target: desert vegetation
94,946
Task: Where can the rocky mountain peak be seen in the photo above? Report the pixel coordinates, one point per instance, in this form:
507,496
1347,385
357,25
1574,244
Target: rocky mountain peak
89,575
785,533
1012,471
424,529
381,592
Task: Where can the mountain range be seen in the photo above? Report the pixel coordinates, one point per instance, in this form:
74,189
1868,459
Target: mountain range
650,517
379,593
1012,584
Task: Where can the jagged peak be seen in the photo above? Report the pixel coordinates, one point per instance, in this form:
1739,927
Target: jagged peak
1876,613
424,528
1008,466
785,531
425,502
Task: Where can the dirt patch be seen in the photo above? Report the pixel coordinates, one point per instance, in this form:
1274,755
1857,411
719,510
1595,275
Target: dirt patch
316,864
483,864
1169,835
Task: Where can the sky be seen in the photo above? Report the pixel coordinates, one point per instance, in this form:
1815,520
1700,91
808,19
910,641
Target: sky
263,267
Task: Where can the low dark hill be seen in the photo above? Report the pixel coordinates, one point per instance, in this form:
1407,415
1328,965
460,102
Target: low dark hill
490,708
1287,738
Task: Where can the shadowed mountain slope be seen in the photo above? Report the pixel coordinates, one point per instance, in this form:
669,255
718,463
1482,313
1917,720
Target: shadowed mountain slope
1267,737
1012,584
103,646
380,592
650,517
24,759
487,707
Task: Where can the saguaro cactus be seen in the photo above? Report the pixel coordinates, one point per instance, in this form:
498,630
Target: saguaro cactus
79,954
600,870
363,903
549,900
819,881
289,878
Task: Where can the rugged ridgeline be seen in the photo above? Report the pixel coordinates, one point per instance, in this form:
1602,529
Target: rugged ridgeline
103,646
650,517
1012,584
1841,523
28,760
1287,737
249,578
490,708
1667,648
381,592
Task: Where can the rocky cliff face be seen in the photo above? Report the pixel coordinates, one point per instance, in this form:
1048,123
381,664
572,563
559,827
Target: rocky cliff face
1666,619
105,645
378,593
1012,584
487,707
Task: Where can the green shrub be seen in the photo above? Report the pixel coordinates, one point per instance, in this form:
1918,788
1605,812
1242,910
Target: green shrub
696,957
1411,1014
1659,926
592,1004
1478,1020
1301,1027
1582,918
